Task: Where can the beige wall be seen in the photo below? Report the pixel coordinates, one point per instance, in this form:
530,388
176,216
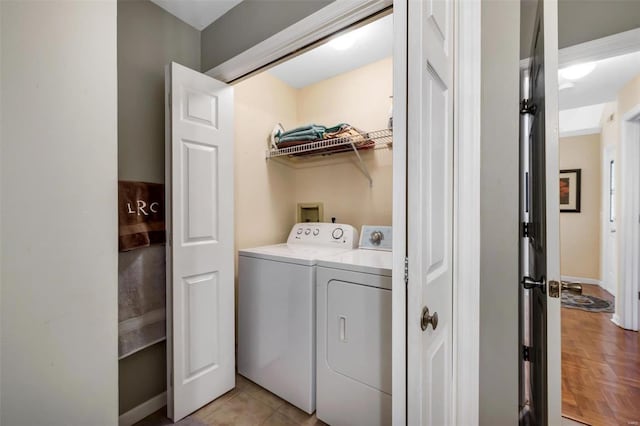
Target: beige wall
629,96
580,232
267,192
361,98
264,190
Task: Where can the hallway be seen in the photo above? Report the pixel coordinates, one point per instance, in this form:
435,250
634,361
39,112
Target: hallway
600,367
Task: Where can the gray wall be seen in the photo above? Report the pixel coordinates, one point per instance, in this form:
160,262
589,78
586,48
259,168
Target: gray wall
499,214
58,298
250,23
584,20
148,39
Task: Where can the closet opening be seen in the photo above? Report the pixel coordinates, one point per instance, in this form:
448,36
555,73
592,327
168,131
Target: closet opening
280,201
314,296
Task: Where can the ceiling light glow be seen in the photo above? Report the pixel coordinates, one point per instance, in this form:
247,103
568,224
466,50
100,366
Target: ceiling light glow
567,85
343,42
576,72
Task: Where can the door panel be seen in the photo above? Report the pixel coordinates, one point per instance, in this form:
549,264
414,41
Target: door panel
200,282
540,306
430,211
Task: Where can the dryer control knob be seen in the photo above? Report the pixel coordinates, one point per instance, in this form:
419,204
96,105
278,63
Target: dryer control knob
376,238
337,233
307,231
299,231
316,232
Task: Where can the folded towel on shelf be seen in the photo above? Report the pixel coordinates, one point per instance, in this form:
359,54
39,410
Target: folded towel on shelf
346,132
310,132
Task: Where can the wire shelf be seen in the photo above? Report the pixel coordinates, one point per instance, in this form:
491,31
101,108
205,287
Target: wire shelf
363,141
352,143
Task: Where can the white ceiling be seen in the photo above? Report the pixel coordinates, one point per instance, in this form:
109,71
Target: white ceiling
373,42
581,121
197,13
603,84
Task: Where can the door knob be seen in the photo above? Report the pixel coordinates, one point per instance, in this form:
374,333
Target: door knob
428,319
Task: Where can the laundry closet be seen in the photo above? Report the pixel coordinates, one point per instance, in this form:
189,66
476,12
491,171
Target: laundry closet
278,211
313,212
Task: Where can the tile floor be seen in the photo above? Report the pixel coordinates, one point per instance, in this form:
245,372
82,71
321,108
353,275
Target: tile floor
246,405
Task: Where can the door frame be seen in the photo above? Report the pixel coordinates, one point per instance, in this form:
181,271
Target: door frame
595,50
326,23
604,220
466,210
627,309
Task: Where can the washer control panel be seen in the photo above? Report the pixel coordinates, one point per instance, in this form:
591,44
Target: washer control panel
376,237
324,234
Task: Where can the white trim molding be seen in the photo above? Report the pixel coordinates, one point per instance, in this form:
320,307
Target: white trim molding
627,309
399,293
596,50
466,292
602,48
138,413
581,132
326,22
582,280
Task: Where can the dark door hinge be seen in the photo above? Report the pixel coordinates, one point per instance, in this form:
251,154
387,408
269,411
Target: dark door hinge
527,107
526,229
406,270
526,353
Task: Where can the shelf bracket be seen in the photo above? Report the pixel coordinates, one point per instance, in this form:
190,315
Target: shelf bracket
362,165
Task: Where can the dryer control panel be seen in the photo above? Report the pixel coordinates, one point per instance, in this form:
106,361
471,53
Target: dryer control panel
324,234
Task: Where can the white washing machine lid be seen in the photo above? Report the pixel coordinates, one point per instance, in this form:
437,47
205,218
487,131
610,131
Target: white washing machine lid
360,260
291,253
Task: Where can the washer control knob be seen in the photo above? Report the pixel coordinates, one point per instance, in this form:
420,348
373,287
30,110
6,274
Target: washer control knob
316,232
376,238
299,231
337,233
307,231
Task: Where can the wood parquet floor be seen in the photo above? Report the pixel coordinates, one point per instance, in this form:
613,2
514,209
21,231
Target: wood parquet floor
600,367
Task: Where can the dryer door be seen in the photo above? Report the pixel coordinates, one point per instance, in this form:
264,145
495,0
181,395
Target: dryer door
359,333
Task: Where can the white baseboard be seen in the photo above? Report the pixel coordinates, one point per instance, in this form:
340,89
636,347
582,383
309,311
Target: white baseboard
616,320
582,280
143,410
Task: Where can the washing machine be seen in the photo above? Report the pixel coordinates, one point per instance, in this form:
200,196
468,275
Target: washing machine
277,309
354,332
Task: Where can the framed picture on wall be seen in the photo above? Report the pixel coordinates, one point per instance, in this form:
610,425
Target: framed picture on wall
570,191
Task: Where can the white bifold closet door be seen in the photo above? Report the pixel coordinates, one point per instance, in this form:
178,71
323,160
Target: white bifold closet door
199,214
430,212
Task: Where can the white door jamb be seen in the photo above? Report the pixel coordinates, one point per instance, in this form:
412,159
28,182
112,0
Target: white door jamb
466,225
627,308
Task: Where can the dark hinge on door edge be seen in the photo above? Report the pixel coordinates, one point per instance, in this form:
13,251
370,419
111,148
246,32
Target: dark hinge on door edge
406,270
526,229
527,107
526,353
